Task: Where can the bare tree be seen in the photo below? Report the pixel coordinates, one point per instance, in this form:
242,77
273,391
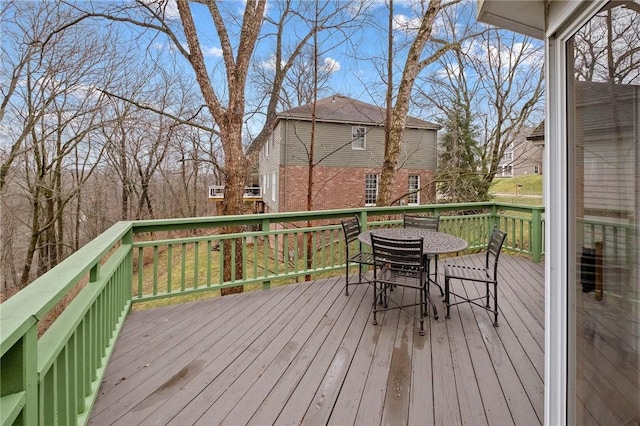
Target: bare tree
488,92
50,119
415,62
238,39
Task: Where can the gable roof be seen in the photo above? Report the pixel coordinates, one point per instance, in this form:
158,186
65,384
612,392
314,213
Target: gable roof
342,109
537,133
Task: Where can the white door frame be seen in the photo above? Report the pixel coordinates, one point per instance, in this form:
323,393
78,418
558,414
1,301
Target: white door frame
559,272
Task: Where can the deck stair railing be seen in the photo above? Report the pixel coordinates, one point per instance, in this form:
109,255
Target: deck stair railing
55,377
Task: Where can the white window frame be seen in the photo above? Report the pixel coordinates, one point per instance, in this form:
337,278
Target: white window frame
367,188
358,133
508,156
413,188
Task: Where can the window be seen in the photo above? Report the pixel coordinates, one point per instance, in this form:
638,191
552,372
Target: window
508,156
370,190
536,170
414,186
508,171
266,150
358,138
274,193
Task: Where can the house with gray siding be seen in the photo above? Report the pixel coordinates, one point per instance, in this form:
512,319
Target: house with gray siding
347,159
522,157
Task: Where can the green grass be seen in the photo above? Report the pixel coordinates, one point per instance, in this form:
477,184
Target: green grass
530,185
527,200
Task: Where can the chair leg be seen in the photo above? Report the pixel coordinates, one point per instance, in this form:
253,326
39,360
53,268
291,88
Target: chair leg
446,295
488,305
495,304
435,261
423,298
346,280
375,302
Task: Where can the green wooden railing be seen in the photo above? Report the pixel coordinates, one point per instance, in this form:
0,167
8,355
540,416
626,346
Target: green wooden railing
54,378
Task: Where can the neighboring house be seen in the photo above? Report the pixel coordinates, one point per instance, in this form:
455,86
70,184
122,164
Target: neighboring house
522,157
348,156
592,198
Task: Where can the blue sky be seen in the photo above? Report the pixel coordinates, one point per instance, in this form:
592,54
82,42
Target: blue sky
353,58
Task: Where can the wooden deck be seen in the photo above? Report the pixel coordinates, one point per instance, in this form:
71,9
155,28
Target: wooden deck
309,354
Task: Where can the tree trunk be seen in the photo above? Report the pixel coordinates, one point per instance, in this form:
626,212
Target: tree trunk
236,168
393,135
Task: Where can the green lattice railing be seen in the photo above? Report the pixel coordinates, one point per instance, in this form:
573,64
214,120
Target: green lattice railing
55,378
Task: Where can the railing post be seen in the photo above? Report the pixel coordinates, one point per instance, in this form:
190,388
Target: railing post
128,240
493,218
19,392
363,220
536,235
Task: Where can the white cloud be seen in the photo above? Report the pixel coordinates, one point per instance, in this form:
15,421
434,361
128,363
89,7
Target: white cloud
214,52
405,23
331,65
169,7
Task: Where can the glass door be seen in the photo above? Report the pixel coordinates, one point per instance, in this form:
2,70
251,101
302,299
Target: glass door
603,96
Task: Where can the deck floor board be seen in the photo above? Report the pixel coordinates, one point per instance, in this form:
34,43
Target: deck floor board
306,353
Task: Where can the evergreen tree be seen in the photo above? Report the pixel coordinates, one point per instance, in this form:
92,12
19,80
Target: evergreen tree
459,177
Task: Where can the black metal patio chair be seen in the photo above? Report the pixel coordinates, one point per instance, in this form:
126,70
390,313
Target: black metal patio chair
351,229
399,263
431,223
487,275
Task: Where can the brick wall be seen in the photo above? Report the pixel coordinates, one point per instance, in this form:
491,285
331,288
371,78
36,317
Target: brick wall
336,188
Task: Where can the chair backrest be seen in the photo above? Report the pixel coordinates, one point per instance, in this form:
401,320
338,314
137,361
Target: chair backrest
424,222
494,248
351,229
398,254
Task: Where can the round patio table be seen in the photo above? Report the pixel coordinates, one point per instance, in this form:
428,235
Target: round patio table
433,243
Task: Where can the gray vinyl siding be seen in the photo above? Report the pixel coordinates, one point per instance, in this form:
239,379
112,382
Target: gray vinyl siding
268,166
333,146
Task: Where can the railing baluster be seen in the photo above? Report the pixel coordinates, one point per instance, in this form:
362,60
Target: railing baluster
276,255
220,261
255,255
209,254
183,267
155,270
196,269
140,271
169,267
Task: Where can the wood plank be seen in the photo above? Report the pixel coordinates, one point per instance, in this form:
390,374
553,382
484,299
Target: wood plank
308,354
348,402
445,397
302,397
152,381
289,377
517,399
421,398
398,393
469,397
493,399
197,396
253,386
324,400
373,396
